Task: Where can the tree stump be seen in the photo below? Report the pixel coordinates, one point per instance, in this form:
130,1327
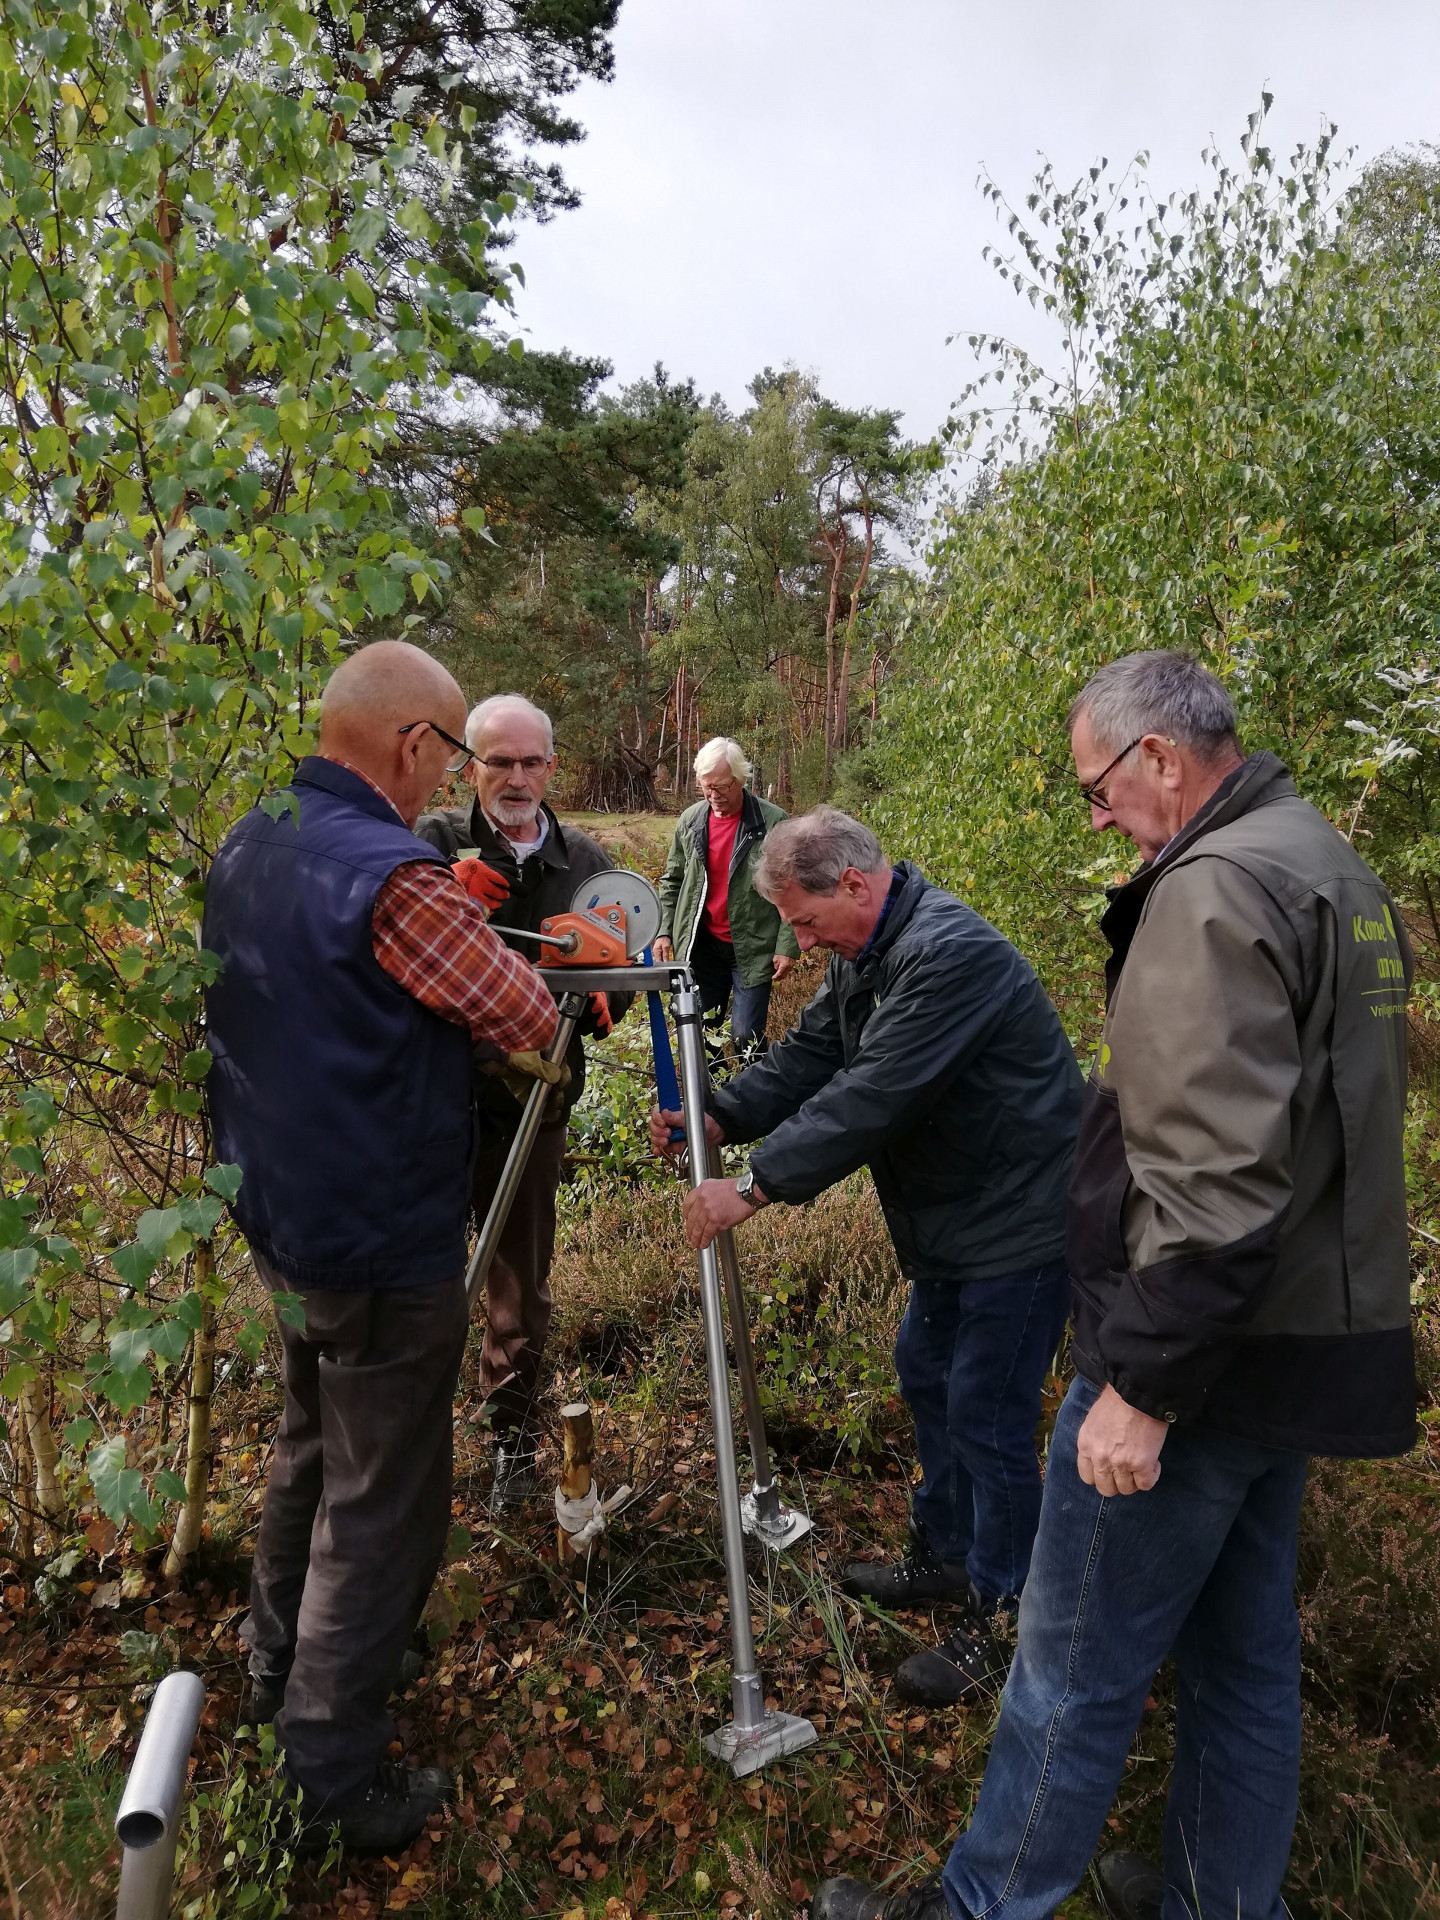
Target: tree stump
579,1431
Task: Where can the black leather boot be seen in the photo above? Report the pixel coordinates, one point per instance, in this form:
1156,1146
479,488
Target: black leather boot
921,1577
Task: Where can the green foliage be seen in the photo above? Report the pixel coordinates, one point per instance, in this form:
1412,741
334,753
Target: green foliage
1240,460
552,594
203,356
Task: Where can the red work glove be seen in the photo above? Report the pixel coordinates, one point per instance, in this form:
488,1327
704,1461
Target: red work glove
600,1021
482,883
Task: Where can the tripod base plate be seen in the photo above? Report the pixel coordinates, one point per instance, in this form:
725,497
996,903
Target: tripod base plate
779,1530
747,1749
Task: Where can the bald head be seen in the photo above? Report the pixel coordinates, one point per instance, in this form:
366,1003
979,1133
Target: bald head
386,686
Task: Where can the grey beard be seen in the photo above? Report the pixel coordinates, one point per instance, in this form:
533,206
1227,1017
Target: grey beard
514,813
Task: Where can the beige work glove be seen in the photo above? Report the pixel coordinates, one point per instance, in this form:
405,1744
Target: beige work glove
520,1071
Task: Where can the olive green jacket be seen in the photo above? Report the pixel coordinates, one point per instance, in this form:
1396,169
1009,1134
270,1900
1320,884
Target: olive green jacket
756,929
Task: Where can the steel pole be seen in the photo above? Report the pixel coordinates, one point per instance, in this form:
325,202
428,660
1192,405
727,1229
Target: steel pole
572,1005
148,1821
746,1691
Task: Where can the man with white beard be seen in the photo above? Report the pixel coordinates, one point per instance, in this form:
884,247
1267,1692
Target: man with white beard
534,868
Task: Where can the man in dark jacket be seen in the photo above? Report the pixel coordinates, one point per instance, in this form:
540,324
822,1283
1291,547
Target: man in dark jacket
538,866
933,1056
356,974
1238,1244
711,916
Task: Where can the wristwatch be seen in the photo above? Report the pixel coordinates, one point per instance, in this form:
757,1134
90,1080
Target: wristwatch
745,1187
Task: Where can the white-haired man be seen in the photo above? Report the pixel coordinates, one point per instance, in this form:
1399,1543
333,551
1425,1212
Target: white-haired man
711,917
536,866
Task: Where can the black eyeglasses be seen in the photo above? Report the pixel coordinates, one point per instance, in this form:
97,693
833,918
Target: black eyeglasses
1091,793
532,764
451,766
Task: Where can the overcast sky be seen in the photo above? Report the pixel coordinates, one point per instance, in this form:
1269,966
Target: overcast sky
794,180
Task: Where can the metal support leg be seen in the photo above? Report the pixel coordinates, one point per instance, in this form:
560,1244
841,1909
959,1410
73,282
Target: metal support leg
754,1737
572,1005
762,1511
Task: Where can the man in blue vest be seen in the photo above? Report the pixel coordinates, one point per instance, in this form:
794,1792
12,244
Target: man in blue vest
357,975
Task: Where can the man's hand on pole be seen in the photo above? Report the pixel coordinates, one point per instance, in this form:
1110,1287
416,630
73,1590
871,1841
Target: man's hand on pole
663,1119
1118,1449
482,883
710,1208
780,964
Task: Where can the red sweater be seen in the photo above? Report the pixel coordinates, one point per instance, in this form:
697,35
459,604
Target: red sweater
719,845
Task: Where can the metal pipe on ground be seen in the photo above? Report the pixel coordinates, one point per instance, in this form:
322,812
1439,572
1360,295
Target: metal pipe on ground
148,1821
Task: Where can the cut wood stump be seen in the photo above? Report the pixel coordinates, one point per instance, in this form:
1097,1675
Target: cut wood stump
575,1477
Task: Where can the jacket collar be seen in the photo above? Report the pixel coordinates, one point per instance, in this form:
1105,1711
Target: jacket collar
1254,783
553,851
907,886
333,776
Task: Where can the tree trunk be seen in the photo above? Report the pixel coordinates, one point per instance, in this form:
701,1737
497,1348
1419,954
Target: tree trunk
843,713
20,1488
197,1446
837,548
44,1453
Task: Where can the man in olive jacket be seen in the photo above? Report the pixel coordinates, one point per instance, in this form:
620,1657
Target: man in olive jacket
539,864
1238,1243
711,917
933,1056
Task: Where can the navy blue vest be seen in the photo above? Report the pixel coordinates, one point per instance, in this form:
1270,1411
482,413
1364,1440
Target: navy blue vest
343,1099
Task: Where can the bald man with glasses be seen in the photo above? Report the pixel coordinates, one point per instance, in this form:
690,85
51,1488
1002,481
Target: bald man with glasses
357,975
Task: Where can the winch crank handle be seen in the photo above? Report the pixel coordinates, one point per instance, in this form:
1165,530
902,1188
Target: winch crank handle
563,942
667,1086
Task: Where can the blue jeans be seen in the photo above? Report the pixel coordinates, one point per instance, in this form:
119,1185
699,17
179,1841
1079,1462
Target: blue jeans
972,1357
718,977
1201,1567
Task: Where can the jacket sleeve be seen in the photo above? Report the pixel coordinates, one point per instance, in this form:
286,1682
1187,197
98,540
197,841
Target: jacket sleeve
938,1009
1204,1058
671,881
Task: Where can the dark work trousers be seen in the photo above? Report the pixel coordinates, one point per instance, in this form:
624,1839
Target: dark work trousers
357,1511
972,1358
713,963
517,1289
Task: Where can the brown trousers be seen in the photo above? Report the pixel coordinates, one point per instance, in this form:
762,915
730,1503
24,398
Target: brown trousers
356,1515
517,1290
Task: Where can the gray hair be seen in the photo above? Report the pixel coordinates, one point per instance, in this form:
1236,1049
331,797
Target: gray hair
1164,693
718,752
487,710
812,851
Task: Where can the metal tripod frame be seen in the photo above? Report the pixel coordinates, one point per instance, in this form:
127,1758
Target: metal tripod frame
754,1737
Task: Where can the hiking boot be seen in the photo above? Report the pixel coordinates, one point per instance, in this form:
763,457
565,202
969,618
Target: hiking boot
1130,1888
514,1476
846,1899
399,1802
921,1577
968,1666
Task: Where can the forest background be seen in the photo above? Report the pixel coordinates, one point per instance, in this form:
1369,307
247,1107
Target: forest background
260,402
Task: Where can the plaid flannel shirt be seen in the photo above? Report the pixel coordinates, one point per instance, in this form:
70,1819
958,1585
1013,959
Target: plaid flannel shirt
433,940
